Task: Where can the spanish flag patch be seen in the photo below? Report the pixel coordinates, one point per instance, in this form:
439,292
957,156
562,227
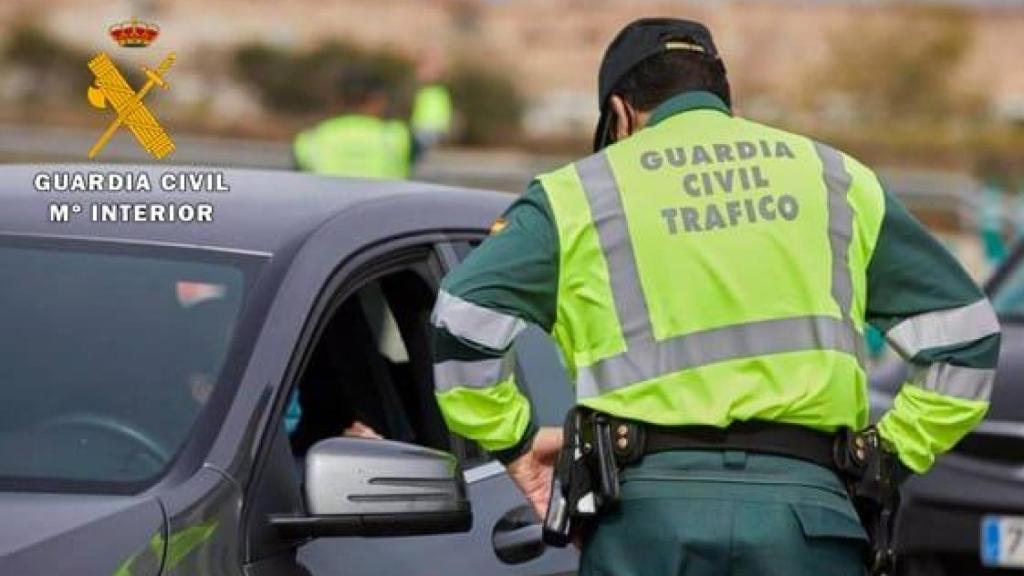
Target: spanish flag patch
498,225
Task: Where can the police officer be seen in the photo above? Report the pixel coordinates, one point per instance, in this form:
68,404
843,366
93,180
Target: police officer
432,110
360,142
704,272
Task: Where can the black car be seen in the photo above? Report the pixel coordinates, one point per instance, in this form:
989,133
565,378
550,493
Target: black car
150,372
966,516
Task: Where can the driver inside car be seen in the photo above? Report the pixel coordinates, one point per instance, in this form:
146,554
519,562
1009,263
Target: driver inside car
347,388
293,414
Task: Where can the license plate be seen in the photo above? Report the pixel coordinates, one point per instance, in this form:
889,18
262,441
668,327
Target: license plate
1002,541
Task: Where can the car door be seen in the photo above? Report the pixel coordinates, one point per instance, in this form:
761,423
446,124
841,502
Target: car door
505,538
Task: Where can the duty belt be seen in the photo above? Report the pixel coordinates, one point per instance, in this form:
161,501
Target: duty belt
633,440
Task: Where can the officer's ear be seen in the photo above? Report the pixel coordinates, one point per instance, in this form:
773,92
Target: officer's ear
622,118
627,119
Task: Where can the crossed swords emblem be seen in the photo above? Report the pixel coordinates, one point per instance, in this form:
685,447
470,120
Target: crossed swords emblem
110,87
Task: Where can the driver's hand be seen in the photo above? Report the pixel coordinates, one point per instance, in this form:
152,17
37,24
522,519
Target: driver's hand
359,430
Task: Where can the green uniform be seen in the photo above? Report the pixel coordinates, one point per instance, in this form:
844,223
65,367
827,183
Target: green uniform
710,270
356,146
732,513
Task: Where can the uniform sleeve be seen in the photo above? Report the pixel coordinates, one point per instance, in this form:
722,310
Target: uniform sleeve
939,321
509,281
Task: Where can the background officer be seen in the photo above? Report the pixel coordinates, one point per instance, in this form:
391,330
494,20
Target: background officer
360,142
432,109
705,270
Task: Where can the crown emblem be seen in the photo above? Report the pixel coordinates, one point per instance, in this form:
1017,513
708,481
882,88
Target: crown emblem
134,33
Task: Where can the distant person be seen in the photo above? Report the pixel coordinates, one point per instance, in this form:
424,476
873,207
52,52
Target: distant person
353,429
432,110
360,142
348,388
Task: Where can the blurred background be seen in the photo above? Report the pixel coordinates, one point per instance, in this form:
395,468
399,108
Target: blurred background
929,92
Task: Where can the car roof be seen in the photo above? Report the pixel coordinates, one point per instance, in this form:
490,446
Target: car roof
264,210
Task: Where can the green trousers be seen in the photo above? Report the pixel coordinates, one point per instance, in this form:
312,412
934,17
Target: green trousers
693,513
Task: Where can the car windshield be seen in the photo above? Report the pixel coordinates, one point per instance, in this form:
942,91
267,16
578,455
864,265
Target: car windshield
1008,298
108,357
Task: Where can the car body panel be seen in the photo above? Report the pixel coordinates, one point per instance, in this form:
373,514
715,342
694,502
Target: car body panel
263,211
203,520
1007,403
80,534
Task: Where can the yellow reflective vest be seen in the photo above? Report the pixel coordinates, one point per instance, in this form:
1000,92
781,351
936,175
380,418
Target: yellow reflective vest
356,146
432,110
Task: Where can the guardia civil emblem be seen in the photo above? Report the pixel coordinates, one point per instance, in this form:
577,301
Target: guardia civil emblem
111,90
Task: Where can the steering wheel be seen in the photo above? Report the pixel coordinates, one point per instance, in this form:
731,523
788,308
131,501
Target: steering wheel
109,425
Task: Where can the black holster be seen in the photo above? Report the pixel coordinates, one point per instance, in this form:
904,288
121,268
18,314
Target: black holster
585,482
873,476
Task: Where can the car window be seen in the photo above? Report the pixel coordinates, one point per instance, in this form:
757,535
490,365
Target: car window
370,373
107,359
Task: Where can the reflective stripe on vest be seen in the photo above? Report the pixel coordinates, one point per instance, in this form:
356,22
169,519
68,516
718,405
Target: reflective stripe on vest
646,358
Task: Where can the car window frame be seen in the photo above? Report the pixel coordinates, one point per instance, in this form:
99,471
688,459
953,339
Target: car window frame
1002,275
352,272
1005,270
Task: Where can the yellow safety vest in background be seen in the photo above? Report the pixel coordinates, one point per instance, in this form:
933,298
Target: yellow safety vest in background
356,146
432,110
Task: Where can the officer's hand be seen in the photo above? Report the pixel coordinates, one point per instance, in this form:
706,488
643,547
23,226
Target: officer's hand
532,471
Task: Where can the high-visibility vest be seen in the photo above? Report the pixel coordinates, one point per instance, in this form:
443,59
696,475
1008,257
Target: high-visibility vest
713,267
356,146
432,110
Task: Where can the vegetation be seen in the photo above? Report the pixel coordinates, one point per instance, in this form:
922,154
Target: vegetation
892,89
488,102
903,65
50,69
294,82
899,82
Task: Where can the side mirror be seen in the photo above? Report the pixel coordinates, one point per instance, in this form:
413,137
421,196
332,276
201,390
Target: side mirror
360,487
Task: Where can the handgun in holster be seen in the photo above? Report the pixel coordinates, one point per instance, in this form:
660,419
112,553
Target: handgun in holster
586,477
873,476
